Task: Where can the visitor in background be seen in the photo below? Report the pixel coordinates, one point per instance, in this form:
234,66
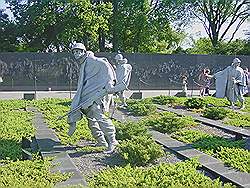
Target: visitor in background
205,82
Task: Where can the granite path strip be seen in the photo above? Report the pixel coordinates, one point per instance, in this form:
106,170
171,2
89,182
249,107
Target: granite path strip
49,146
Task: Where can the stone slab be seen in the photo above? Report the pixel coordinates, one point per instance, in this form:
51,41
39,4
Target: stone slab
190,153
50,146
63,163
219,168
242,179
207,159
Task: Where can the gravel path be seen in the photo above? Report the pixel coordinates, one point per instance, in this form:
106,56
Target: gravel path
212,130
91,162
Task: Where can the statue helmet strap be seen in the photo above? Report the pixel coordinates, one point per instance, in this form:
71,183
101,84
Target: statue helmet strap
119,57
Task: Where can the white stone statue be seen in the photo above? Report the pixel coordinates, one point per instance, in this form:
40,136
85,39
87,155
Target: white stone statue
96,75
123,75
230,83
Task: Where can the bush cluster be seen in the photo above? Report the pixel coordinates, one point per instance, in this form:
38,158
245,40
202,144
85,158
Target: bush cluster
215,113
195,103
167,122
136,146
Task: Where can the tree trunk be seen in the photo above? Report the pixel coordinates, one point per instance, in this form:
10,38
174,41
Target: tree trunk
115,35
101,40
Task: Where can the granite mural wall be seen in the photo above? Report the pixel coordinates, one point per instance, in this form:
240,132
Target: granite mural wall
59,71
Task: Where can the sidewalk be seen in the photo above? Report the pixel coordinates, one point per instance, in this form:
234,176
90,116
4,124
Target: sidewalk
67,94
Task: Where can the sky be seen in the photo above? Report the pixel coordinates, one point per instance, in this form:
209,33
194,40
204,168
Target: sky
196,30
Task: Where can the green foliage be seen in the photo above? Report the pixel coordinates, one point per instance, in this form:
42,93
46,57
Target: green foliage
189,136
8,33
28,173
216,102
170,100
141,107
195,103
215,113
141,27
167,122
15,123
182,174
204,46
213,144
140,150
53,25
216,26
238,119
236,157
128,130
52,109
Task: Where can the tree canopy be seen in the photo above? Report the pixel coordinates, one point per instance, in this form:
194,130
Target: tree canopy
115,25
219,16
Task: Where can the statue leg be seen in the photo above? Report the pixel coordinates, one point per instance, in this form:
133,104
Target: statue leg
241,97
106,126
123,98
95,128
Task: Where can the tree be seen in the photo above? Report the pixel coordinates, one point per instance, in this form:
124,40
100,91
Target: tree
236,47
143,26
52,25
218,16
8,33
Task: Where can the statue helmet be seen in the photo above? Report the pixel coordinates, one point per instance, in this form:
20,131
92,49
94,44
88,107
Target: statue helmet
78,46
236,60
119,57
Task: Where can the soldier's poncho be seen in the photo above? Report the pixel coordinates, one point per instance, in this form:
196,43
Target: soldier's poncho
96,74
123,73
225,86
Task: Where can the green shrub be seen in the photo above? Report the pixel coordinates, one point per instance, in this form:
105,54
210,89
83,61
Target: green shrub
163,100
128,130
181,174
189,136
230,152
238,119
141,109
195,103
213,144
140,150
216,102
215,113
29,173
167,122
236,157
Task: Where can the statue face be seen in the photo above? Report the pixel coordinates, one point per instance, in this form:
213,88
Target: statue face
78,53
236,65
